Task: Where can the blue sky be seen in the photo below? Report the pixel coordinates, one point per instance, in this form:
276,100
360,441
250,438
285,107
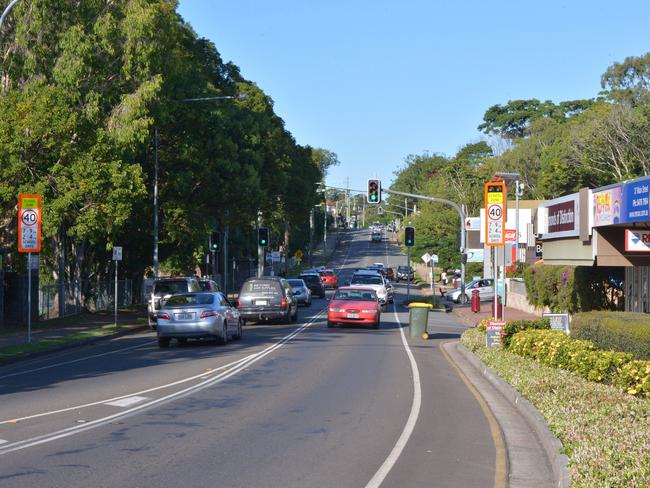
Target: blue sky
376,80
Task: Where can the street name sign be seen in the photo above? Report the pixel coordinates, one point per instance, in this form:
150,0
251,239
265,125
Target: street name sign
29,223
117,253
495,206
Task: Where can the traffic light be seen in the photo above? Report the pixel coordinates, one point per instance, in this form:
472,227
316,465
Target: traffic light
374,191
463,258
215,241
409,236
263,236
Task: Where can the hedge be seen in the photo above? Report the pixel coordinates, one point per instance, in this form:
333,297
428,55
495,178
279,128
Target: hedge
515,326
556,349
618,331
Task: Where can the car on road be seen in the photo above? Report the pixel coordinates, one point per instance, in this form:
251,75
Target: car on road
267,298
354,305
209,285
376,236
197,315
390,274
372,280
315,284
484,286
405,273
329,279
301,291
163,288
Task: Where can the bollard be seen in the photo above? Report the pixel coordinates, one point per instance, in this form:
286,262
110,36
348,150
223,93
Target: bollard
476,301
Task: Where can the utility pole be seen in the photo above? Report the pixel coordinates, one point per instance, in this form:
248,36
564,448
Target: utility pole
347,199
260,250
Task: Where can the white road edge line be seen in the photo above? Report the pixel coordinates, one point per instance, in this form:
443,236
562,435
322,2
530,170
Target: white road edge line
43,439
394,455
127,402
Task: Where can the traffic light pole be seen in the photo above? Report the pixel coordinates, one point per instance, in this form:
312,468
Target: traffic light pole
408,274
461,214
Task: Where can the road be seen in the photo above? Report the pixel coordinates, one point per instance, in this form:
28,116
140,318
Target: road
295,405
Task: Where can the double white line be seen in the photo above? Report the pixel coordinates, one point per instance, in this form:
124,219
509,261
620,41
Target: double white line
237,367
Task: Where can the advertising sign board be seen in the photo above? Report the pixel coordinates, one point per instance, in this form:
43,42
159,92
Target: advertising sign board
559,321
636,200
607,206
473,223
493,332
637,240
475,255
561,217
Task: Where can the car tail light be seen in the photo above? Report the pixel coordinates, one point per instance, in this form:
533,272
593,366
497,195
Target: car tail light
237,303
208,313
164,316
283,303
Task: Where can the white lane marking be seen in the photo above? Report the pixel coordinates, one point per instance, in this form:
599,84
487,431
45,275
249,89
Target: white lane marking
46,438
2,441
142,392
394,455
72,361
127,402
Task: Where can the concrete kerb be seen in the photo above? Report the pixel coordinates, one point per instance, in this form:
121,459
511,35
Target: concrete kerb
551,444
84,342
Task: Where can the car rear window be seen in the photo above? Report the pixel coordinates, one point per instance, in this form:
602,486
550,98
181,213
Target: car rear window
366,280
311,279
197,299
296,283
359,295
262,287
170,287
328,273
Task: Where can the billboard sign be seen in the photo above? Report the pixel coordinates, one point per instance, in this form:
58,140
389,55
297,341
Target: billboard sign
607,206
637,240
562,217
636,200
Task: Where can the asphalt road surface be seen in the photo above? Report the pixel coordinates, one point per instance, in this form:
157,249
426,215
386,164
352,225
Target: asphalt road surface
295,405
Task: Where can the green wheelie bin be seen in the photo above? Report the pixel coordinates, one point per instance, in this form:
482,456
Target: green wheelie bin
418,318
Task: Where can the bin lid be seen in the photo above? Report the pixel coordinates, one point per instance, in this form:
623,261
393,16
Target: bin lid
419,305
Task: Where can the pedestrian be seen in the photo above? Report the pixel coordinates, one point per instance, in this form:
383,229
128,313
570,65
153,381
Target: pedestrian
443,277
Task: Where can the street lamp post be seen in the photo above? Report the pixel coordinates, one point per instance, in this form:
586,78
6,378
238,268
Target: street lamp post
155,151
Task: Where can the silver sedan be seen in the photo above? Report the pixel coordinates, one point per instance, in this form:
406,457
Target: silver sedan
196,316
301,291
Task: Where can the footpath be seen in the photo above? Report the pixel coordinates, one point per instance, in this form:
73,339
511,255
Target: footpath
86,327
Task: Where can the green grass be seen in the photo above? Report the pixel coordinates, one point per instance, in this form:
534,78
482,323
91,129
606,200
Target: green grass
605,433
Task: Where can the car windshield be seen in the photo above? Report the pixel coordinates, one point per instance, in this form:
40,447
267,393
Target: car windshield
403,269
311,279
170,287
366,280
191,299
296,283
359,295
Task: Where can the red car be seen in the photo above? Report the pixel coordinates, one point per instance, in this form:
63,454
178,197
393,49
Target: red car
329,279
390,274
352,305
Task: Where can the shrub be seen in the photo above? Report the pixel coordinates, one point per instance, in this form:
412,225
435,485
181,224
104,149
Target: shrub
515,326
619,331
556,349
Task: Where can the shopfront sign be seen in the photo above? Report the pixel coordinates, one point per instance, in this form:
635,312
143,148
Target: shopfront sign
637,240
636,200
561,217
608,206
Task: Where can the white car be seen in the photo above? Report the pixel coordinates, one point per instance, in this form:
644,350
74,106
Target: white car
371,279
485,289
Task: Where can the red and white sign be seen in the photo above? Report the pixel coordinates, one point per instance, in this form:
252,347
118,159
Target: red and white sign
511,235
29,223
495,204
637,240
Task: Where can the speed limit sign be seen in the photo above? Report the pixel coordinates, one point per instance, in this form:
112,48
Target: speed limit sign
495,204
29,223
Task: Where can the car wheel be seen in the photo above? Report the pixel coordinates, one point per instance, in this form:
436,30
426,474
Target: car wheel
463,299
182,340
376,325
323,295
238,335
163,342
308,304
330,324
294,317
224,333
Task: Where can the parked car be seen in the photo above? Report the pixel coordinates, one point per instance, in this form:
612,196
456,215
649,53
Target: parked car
197,315
373,280
354,305
267,298
301,291
313,281
405,273
209,285
329,279
485,289
164,288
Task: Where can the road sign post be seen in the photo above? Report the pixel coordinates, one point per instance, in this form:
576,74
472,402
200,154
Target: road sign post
117,257
495,226
29,241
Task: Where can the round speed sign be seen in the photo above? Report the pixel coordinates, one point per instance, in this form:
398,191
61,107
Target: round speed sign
495,212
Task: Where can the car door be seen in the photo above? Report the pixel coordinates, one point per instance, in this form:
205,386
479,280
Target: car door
487,290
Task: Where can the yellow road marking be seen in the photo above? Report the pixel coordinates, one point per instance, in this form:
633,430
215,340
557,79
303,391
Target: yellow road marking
500,468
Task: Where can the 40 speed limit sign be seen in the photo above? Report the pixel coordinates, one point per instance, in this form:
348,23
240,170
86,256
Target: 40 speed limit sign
29,223
495,209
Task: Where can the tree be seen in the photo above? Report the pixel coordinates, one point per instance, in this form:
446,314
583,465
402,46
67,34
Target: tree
628,82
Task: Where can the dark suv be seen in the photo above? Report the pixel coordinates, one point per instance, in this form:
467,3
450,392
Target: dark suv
164,288
315,284
267,298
